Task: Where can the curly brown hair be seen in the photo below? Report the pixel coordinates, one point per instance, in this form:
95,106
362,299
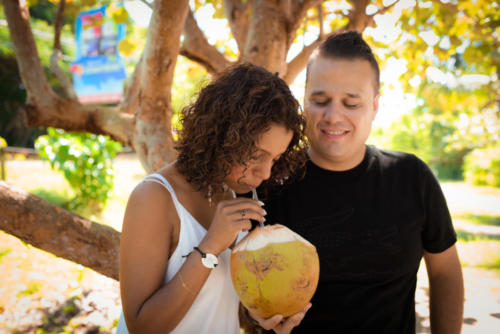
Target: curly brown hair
221,127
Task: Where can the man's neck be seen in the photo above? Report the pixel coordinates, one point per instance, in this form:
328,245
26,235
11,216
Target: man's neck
340,165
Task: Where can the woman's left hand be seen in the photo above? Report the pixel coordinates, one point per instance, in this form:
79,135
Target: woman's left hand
279,324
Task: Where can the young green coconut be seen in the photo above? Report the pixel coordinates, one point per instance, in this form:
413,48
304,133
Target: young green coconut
274,271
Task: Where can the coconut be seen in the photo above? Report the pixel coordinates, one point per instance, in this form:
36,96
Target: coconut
274,271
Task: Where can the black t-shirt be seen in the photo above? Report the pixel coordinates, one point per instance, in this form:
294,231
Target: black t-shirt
370,226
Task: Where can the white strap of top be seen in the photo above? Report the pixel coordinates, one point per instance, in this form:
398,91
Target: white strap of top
158,178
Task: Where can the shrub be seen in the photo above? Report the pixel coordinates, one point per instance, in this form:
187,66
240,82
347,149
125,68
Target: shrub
86,162
482,166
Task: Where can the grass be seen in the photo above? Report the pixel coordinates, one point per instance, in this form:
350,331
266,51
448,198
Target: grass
32,288
483,219
464,236
495,264
4,252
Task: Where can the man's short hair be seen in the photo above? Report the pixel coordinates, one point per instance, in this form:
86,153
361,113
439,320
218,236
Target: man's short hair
348,45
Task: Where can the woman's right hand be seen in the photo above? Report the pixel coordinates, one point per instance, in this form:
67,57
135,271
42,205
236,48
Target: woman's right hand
231,217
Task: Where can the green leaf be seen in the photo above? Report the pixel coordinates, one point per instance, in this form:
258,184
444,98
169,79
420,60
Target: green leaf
119,15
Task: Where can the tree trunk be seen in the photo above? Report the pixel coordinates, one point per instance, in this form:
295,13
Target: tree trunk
266,44
153,141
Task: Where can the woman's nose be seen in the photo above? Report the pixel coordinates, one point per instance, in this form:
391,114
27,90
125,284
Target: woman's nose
264,171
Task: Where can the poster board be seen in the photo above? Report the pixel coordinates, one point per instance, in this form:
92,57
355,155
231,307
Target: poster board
98,70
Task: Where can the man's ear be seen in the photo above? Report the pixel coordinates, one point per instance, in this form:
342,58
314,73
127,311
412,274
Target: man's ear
375,105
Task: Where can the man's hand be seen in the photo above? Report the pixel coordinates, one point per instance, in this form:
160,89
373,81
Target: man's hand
280,325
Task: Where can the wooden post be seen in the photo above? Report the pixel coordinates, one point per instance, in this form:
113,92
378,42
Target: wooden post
2,163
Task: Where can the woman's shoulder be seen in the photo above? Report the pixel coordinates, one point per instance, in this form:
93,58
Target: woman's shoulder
152,195
157,183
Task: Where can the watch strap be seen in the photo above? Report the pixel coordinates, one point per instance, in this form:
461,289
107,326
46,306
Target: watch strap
208,260
203,255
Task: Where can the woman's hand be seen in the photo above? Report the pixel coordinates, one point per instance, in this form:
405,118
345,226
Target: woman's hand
280,325
231,217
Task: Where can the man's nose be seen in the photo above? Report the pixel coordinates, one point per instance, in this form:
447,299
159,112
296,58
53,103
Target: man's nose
333,112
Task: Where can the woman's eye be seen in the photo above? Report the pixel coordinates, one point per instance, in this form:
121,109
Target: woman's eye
255,157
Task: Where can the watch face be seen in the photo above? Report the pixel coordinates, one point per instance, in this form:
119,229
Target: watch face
210,260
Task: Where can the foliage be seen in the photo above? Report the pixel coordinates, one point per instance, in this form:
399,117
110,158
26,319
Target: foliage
189,79
427,137
482,166
62,199
459,37
12,91
447,123
12,96
452,62
86,162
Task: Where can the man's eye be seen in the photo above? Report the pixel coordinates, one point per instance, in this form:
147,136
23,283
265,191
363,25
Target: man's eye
321,103
350,106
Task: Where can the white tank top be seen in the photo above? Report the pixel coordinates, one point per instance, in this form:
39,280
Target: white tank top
215,309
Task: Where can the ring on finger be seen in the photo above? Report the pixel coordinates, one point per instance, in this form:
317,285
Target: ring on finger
243,213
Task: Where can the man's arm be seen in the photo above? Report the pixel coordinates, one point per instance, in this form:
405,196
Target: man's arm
446,286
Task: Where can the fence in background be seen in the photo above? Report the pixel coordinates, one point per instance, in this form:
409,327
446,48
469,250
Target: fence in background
26,152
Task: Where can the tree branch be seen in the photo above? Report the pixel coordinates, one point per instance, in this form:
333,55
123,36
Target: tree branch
298,13
320,19
60,232
130,101
237,13
30,68
59,24
70,115
448,5
490,103
147,4
197,48
297,64
371,18
358,20
57,53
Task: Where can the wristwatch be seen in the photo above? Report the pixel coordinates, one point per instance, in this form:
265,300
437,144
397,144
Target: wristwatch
207,259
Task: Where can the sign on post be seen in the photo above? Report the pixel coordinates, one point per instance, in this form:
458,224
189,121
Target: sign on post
98,70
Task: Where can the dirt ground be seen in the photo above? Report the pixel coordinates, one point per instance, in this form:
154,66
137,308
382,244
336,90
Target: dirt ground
40,293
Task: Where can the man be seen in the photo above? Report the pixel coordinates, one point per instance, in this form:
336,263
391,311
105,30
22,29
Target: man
371,214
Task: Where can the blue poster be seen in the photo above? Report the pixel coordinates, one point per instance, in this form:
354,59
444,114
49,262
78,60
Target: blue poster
98,70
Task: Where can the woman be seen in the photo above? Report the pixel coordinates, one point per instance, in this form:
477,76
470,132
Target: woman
180,222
